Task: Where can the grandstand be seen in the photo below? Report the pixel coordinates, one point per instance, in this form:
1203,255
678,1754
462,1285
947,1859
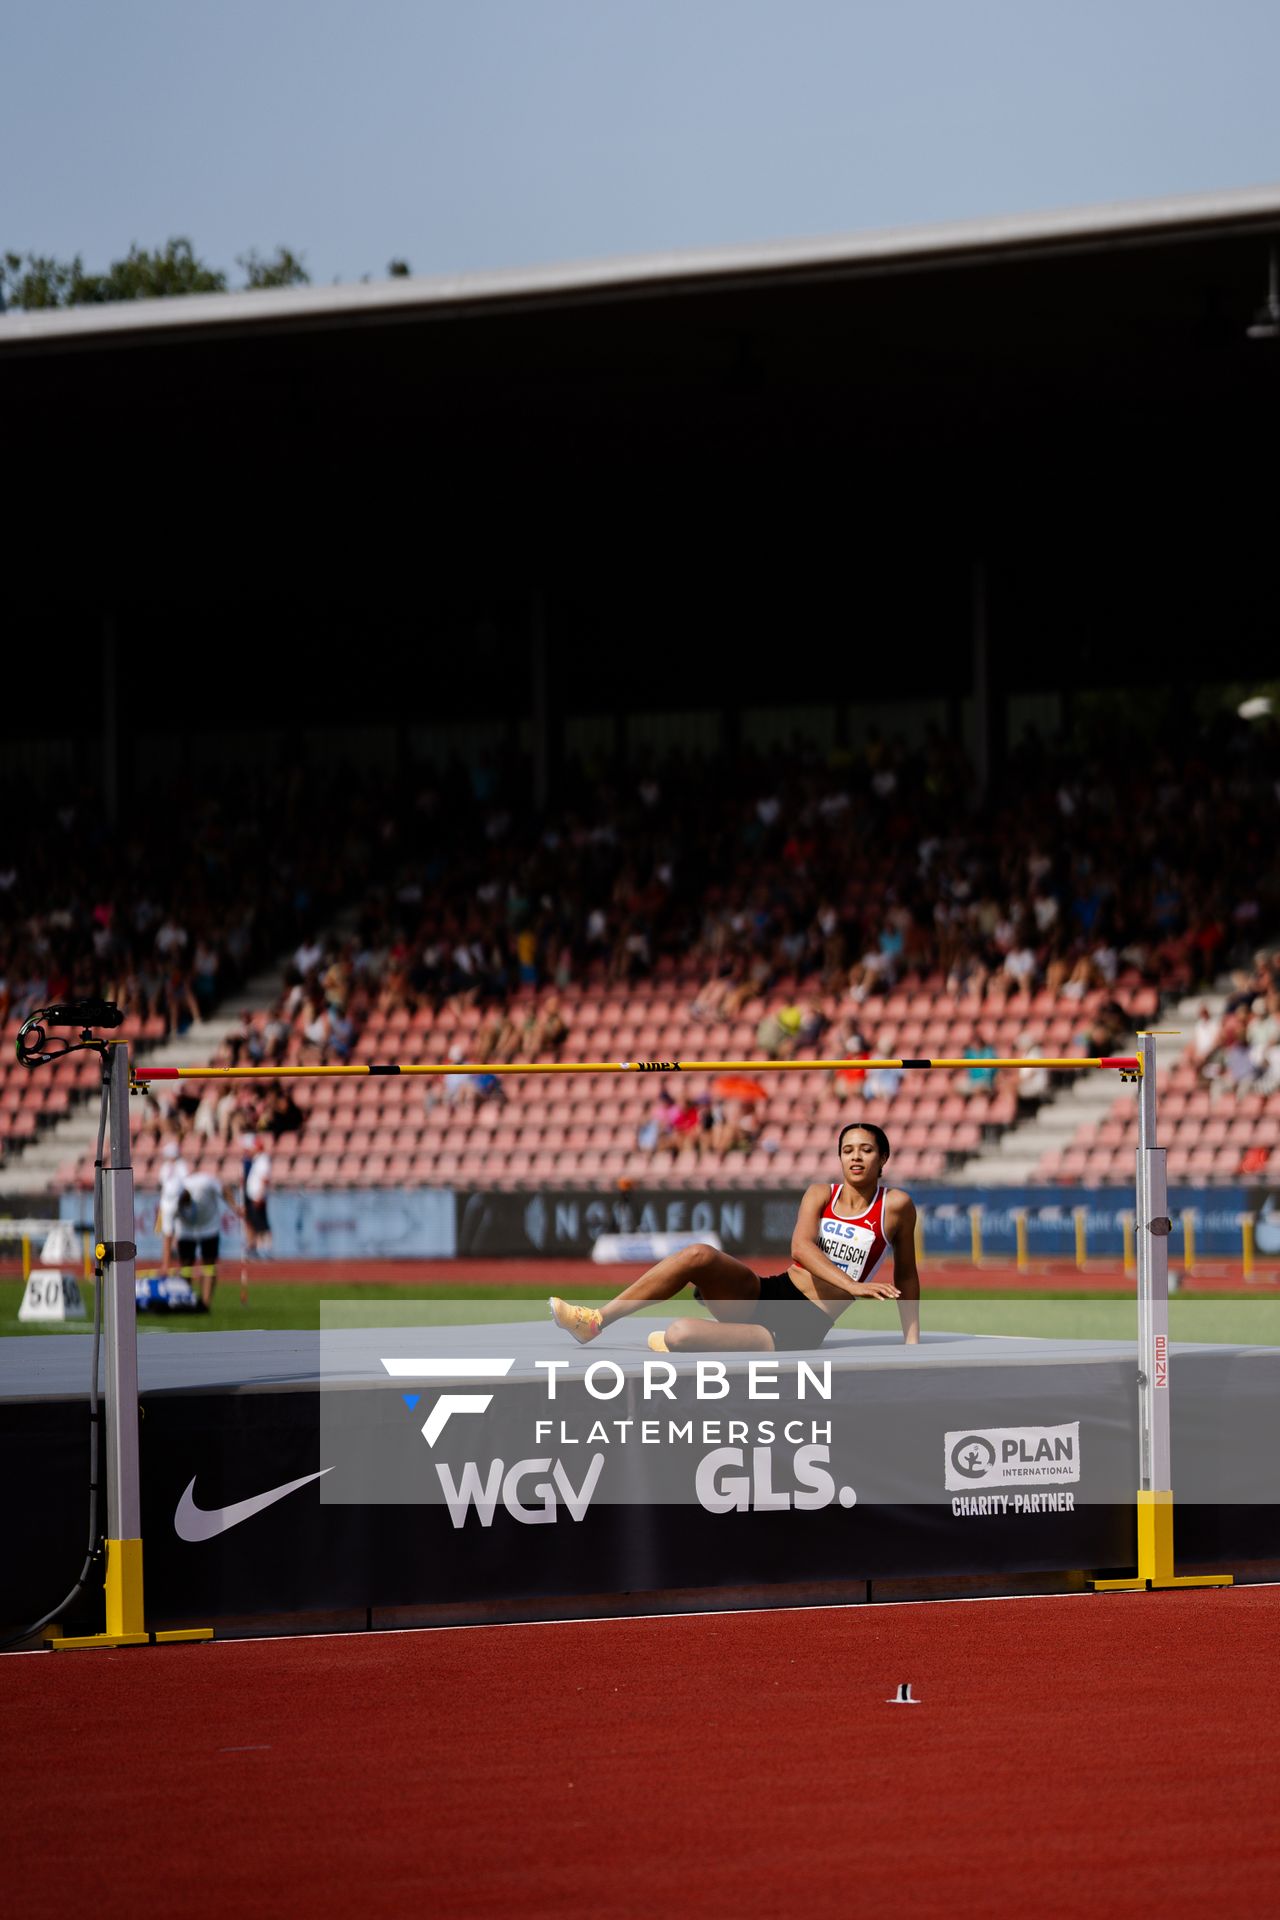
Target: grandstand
493,735
959,958
390,1133
1213,1134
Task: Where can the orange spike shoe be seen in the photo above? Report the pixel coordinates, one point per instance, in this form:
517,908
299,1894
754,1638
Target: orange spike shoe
584,1323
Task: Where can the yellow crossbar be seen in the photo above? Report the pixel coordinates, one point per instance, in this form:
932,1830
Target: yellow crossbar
145,1075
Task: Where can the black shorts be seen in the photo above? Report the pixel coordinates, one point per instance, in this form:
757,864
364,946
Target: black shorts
255,1213
202,1253
790,1315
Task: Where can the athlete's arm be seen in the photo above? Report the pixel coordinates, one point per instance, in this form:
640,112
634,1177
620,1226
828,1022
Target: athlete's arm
900,1232
806,1252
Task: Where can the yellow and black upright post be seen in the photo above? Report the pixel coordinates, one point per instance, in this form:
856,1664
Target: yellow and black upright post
1155,1477
117,1256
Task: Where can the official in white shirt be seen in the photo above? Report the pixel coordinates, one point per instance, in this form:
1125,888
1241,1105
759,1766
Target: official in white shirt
173,1177
200,1208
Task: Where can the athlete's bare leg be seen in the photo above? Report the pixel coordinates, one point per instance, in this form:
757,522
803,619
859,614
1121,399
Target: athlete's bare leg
729,1287
716,1336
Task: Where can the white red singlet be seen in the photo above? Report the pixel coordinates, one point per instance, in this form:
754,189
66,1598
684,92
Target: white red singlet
853,1242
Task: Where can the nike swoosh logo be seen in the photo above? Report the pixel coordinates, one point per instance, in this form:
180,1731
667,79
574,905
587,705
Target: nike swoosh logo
191,1522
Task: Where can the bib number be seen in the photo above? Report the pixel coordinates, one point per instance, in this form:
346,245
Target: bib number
847,1247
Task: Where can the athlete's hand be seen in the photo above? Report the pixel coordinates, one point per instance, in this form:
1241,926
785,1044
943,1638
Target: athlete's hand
876,1290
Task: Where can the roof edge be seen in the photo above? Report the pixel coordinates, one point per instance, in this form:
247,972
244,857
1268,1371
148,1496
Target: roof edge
873,250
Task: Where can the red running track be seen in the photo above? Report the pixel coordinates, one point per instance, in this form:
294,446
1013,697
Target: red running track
1088,1757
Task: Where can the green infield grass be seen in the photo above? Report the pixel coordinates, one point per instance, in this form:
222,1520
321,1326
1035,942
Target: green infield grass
1221,1318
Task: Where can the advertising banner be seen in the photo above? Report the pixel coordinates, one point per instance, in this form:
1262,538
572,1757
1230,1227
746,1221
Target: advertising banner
1266,1208
433,1223
568,1221
387,1464
417,1224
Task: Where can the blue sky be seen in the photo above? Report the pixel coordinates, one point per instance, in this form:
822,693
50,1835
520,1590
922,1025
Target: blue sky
466,134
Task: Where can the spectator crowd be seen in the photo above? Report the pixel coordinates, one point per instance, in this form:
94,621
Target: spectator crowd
783,880
172,912
1239,1048
847,878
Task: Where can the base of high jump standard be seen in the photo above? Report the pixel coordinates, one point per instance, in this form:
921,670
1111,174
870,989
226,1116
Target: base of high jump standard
1155,1507
125,1624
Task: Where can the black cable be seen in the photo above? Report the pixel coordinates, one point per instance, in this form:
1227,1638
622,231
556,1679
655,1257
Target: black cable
94,1546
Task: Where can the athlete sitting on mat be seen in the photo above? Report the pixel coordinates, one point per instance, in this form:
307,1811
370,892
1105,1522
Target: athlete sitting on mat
843,1231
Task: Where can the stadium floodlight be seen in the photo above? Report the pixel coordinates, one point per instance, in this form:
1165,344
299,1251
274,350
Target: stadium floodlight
1266,321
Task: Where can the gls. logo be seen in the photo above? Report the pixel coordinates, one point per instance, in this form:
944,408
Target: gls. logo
1004,1456
449,1403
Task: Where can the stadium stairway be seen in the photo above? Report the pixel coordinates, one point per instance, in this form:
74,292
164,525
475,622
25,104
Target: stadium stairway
41,1166
1084,1103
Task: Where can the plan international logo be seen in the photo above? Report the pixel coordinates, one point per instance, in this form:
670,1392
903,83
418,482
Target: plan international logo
1011,1456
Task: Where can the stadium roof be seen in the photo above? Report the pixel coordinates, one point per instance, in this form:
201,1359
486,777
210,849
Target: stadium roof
894,250
711,479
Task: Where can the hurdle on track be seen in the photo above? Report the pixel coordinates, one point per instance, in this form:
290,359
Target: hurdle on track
125,1620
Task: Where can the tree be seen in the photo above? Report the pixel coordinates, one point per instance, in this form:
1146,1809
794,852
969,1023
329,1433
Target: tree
398,269
38,281
33,280
284,270
161,275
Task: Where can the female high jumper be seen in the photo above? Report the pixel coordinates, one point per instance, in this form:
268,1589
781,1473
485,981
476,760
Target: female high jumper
843,1230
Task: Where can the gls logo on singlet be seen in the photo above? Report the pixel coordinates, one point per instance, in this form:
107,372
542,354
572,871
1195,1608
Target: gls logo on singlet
856,1244
848,1246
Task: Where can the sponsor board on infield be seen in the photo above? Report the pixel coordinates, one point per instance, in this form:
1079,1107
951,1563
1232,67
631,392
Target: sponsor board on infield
1011,1456
337,1224
569,1220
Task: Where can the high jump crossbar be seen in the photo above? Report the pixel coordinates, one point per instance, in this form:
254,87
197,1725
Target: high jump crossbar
143,1076
117,1253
